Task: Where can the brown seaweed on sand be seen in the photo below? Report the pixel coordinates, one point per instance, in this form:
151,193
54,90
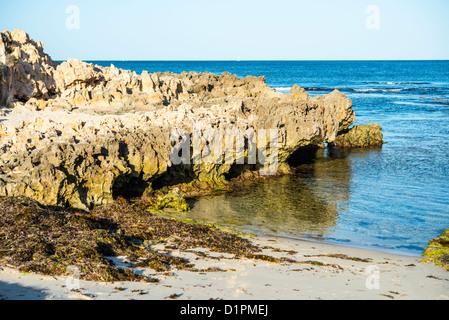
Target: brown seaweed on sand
47,240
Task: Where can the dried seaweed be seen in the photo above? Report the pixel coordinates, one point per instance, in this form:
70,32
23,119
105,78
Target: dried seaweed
45,240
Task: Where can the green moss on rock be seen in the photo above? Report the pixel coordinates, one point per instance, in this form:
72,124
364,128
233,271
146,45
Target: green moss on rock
172,200
437,251
363,136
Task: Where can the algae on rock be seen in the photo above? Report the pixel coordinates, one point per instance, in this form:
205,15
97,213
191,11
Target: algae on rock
173,200
362,136
438,251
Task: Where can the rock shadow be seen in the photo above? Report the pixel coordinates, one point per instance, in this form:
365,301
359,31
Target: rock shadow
16,291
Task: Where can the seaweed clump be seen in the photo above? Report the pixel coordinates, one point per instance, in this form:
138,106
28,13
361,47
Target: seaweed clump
135,220
36,239
438,251
47,240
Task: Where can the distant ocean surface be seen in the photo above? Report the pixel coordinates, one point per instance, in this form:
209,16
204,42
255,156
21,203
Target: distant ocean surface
395,199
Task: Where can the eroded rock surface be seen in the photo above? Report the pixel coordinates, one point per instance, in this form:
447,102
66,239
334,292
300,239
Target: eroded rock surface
76,134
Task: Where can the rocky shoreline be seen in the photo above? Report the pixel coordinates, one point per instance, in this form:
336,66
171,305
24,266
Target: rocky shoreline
95,131
76,138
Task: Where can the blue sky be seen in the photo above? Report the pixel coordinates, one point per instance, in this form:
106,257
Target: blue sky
226,30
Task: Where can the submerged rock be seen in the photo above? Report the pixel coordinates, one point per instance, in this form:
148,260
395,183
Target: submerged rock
78,135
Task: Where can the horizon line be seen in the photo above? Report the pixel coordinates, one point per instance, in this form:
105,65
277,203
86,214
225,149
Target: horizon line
255,60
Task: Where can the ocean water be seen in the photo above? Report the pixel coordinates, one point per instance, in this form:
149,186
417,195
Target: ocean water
395,199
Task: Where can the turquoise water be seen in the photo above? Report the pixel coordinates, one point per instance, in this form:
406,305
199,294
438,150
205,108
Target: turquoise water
394,199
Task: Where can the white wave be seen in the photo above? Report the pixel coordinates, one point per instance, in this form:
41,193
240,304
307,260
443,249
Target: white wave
378,90
366,90
283,88
394,90
397,83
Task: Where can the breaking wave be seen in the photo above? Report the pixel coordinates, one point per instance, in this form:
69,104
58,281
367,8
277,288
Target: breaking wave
283,88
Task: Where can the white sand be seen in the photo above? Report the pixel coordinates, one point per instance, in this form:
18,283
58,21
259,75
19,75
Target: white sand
399,277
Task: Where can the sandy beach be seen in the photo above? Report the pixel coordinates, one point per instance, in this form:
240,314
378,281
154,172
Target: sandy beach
310,271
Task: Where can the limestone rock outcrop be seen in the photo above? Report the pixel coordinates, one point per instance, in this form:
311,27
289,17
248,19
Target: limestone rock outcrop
26,70
78,134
